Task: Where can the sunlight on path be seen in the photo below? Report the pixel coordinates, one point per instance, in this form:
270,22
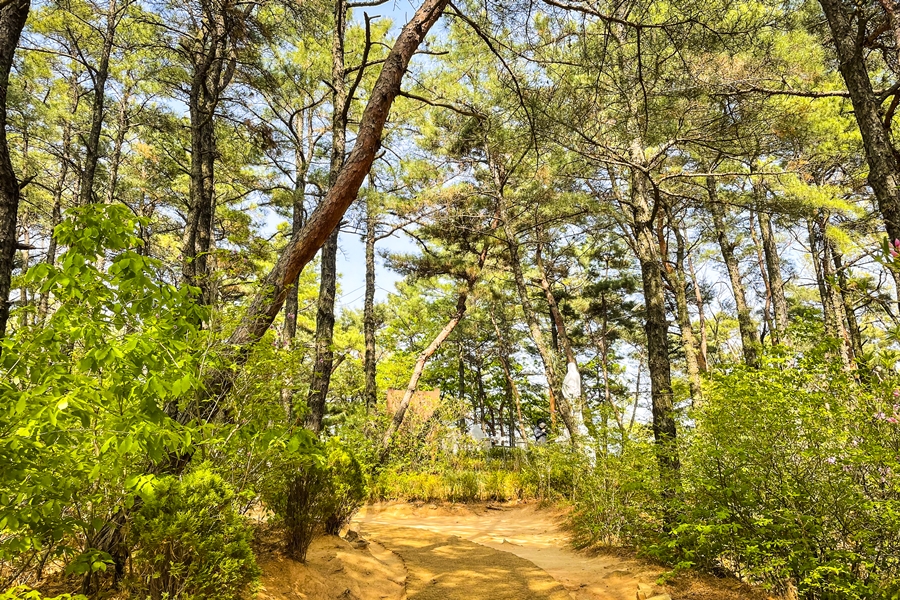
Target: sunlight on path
442,567
528,533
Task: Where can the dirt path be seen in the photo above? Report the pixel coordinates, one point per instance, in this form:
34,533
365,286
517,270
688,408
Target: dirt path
430,538
442,567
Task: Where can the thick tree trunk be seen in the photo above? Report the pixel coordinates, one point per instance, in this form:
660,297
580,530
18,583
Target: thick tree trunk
303,247
99,77
776,281
369,365
322,368
321,376
656,330
213,69
12,20
749,335
884,170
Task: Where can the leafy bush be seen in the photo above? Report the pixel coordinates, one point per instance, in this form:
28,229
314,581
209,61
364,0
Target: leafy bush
312,486
791,480
83,394
192,543
618,502
348,486
25,593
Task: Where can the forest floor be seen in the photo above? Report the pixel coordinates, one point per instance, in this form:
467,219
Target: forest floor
486,551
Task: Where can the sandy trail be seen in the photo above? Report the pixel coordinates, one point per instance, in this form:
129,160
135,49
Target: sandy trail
442,567
534,535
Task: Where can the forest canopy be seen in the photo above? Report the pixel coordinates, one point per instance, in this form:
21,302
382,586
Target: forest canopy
640,257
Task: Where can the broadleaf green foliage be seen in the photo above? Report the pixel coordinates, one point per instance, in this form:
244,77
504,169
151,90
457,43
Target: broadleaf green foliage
311,487
83,398
193,543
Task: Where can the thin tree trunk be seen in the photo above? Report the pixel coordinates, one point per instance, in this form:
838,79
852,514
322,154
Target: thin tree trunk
56,215
767,308
12,20
324,346
115,161
504,355
749,336
701,318
99,77
678,281
369,366
547,356
853,328
400,413
776,282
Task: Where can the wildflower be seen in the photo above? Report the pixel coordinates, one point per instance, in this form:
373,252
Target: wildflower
831,460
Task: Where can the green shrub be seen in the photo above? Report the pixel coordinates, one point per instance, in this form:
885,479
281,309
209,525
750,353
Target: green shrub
312,486
192,543
791,480
22,592
618,503
348,486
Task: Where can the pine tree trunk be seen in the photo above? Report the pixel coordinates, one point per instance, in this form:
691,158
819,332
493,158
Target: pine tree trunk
884,169
99,77
678,281
321,376
749,336
369,366
12,20
268,301
773,269
656,331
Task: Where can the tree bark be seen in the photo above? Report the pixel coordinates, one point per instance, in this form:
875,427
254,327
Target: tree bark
749,336
303,247
213,66
776,281
849,37
321,375
656,330
99,77
369,365
12,20
678,281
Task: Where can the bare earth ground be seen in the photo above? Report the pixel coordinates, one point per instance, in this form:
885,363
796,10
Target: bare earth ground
457,552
